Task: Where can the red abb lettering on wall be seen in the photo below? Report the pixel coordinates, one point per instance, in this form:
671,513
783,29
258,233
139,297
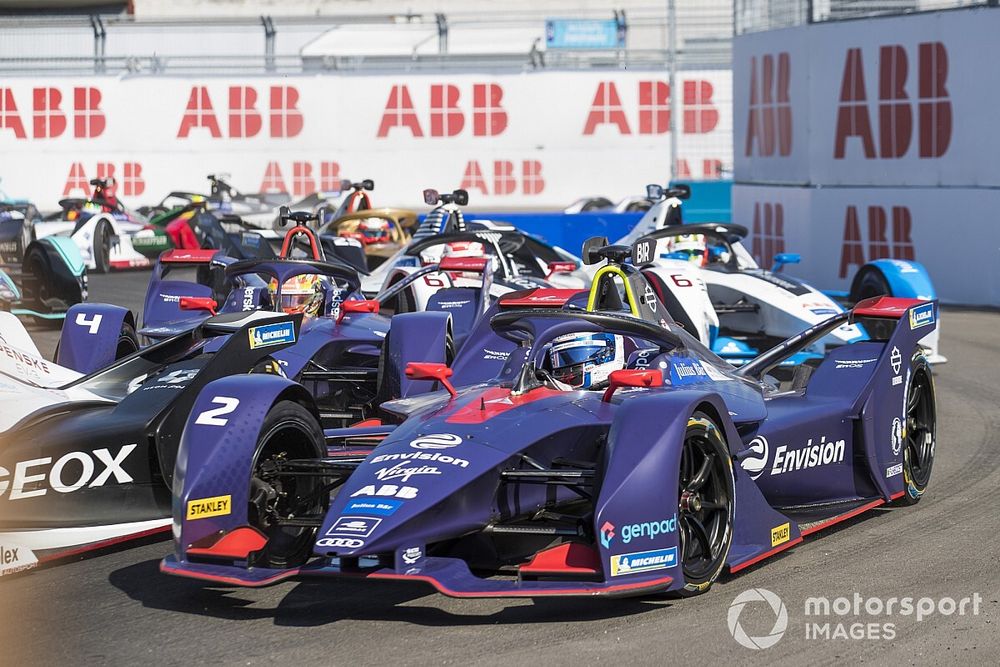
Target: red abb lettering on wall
243,117
446,117
51,111
880,245
769,126
700,114
505,178
306,177
768,232
895,109
128,179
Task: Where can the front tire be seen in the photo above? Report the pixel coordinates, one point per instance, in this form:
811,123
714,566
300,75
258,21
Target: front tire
289,432
102,247
706,490
128,341
869,283
921,436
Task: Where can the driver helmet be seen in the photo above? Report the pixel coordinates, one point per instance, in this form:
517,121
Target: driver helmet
373,230
435,254
299,294
690,247
586,360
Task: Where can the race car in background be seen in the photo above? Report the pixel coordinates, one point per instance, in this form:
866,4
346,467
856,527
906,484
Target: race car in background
610,453
711,285
223,196
633,204
521,260
382,232
40,279
108,234
108,413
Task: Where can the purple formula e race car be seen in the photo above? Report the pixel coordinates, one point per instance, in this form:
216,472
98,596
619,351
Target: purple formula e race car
608,453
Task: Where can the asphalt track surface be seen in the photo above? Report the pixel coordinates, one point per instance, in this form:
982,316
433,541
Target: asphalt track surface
116,608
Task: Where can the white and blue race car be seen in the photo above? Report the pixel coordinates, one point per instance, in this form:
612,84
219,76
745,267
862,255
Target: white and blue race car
712,286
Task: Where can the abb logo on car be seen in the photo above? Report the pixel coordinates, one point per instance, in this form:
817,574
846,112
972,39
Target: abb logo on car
51,112
895,110
769,126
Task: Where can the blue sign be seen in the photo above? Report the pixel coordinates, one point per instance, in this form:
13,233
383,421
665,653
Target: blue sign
584,34
370,506
922,316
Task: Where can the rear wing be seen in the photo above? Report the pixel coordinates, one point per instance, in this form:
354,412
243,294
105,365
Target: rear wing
162,312
904,321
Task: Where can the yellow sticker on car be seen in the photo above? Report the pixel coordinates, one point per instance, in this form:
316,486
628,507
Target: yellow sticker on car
780,534
204,508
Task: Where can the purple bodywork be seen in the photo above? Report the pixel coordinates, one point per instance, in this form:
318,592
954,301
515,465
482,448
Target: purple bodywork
454,470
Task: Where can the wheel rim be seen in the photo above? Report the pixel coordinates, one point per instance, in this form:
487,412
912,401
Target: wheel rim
920,435
704,506
282,441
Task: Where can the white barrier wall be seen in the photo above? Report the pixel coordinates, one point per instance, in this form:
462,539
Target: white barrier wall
890,121
521,140
952,231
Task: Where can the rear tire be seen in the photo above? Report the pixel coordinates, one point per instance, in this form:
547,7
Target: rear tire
102,247
289,432
706,490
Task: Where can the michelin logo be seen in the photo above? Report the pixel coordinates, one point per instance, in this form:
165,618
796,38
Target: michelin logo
272,334
643,561
922,316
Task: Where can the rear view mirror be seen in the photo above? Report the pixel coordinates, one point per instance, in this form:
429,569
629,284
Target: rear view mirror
560,267
431,371
632,378
358,306
679,190
590,248
654,192
368,184
783,258
431,197
345,185
283,214
198,303
461,197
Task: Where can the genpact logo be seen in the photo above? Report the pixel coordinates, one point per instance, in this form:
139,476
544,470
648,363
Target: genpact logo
607,534
648,529
754,465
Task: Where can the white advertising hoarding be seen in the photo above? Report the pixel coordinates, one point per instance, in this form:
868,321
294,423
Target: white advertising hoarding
517,140
888,101
951,231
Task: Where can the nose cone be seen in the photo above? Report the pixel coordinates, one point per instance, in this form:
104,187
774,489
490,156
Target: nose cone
415,489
